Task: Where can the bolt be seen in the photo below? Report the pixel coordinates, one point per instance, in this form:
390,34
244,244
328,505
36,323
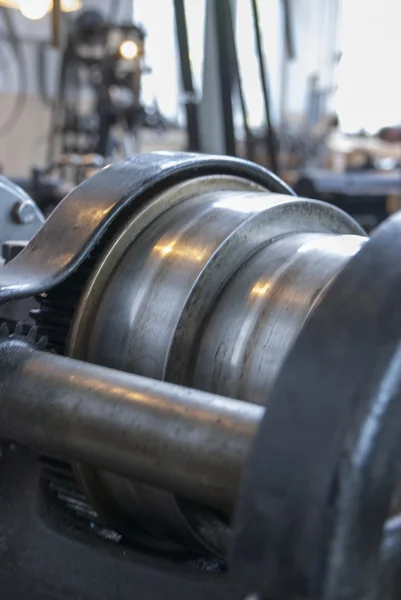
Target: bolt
23,212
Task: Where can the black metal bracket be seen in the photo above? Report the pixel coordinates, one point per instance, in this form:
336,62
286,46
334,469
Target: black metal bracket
83,217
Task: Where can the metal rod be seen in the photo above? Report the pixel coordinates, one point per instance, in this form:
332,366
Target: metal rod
225,64
191,104
250,143
56,24
184,441
271,137
288,31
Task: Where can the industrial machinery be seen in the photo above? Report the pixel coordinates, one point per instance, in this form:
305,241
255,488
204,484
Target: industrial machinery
20,216
361,193
208,406
103,62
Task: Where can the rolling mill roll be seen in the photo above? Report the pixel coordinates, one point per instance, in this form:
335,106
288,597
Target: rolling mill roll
179,290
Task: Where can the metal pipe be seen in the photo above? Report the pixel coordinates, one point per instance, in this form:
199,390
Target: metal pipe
187,442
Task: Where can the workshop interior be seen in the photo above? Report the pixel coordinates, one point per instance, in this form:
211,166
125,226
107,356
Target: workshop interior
200,300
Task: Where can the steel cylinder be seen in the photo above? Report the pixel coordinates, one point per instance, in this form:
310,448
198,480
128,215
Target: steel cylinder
183,269
177,439
207,286
200,260
260,311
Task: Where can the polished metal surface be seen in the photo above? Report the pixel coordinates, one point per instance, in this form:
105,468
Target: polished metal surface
181,440
146,273
183,211
110,196
261,310
259,305
153,288
181,294
326,459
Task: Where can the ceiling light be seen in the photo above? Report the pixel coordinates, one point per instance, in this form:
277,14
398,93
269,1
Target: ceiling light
70,5
129,50
9,3
35,9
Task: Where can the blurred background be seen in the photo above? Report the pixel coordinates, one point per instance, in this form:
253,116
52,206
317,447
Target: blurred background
307,88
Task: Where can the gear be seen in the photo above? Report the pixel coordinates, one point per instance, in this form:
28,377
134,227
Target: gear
144,177
57,306
58,481
21,332
57,478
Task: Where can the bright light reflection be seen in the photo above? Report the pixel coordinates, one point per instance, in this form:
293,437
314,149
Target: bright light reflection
35,9
128,50
259,289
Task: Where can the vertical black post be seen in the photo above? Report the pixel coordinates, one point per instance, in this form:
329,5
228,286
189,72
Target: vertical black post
271,140
186,74
222,20
288,31
56,24
250,146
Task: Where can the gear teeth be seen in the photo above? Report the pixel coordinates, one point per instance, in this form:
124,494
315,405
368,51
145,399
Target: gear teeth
57,306
19,329
31,335
4,330
42,343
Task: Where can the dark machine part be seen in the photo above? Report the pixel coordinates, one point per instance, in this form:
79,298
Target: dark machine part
223,20
56,24
48,185
250,142
288,30
362,194
186,76
187,293
93,60
45,190
349,453
271,142
20,217
231,84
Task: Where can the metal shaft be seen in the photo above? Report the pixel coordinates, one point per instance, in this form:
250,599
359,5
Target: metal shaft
188,442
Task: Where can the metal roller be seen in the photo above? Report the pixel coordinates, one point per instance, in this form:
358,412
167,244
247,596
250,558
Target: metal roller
180,440
198,271
230,372
228,369
206,286
320,500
